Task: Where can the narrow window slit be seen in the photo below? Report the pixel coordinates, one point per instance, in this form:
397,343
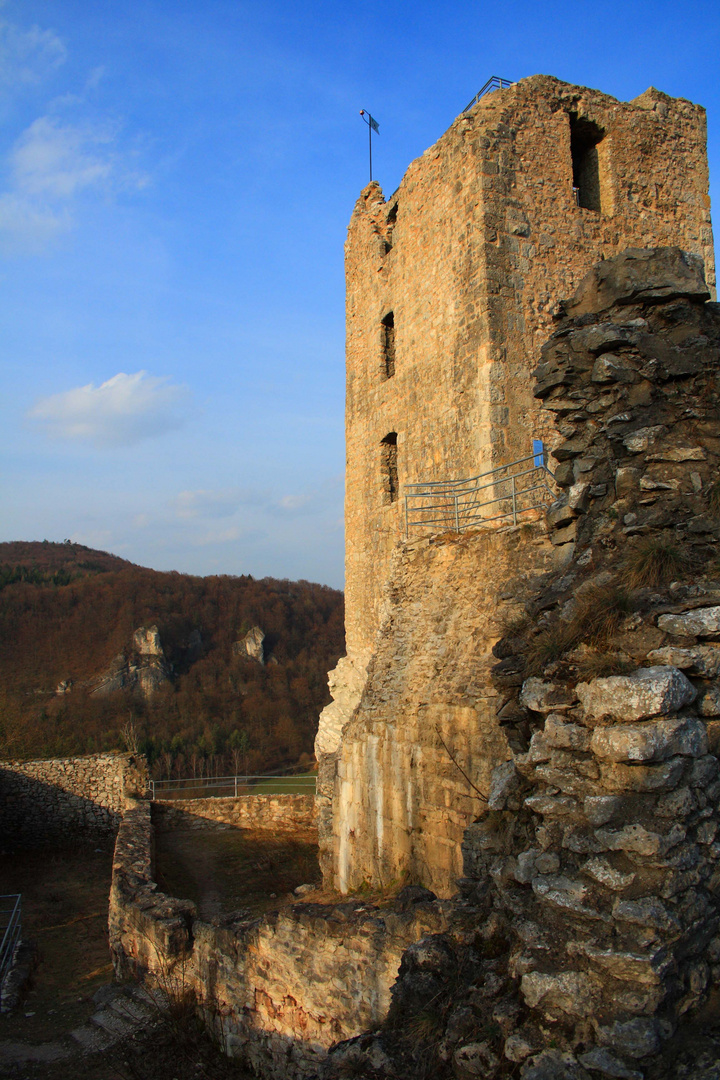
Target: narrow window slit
388,345
389,467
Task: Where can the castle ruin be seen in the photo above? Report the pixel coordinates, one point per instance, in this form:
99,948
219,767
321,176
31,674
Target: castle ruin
452,287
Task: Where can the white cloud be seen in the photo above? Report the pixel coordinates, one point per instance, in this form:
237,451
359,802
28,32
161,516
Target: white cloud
51,165
27,57
55,160
120,412
26,225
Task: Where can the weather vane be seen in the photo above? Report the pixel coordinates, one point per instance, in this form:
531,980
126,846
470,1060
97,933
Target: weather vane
372,126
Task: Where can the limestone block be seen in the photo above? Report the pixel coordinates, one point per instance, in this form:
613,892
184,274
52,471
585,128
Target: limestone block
474,1060
572,992
599,809
601,1060
517,1048
554,1065
640,440
648,967
637,1038
699,659
703,622
647,911
648,692
565,893
625,778
637,840
552,805
608,875
544,696
679,453
626,481
650,741
611,369
558,732
504,782
708,701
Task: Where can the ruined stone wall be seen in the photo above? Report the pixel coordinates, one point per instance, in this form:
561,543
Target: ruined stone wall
415,761
62,798
601,834
281,989
247,812
470,255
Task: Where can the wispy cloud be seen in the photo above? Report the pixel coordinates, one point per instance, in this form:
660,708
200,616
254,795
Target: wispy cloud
120,412
56,161
314,501
210,504
50,165
27,57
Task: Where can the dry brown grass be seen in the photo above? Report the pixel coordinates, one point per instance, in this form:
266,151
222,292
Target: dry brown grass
600,665
713,495
655,560
597,617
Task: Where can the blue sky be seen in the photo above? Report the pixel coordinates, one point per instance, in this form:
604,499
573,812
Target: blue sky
176,180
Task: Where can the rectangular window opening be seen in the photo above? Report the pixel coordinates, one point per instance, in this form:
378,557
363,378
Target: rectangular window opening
585,137
388,345
389,467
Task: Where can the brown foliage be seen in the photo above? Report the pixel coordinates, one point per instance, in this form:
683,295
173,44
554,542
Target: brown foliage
217,701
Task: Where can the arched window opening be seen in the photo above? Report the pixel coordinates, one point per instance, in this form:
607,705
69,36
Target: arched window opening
388,345
585,136
389,467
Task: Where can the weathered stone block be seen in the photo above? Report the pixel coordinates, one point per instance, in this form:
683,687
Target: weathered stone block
699,659
637,1038
544,696
574,993
703,622
651,741
648,692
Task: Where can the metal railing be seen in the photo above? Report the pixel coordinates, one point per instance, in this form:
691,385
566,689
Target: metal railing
455,505
10,928
495,82
205,787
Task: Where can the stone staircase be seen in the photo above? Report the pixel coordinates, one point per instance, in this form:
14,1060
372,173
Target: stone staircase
122,1011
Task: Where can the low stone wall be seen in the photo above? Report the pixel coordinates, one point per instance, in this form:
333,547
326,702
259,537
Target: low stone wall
281,989
63,798
276,812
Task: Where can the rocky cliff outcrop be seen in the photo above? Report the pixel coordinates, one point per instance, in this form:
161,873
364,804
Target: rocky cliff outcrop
143,668
251,646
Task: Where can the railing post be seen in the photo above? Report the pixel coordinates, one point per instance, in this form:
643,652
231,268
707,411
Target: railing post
514,501
152,790
457,518
235,787
407,527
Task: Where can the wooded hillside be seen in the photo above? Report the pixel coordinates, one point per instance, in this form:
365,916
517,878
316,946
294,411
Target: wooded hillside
67,612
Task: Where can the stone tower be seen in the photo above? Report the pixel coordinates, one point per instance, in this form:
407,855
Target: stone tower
452,285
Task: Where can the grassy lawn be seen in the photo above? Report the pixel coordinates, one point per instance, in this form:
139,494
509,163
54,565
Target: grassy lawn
231,869
302,784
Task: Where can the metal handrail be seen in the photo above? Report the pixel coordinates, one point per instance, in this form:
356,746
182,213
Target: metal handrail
11,928
495,82
235,782
459,504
